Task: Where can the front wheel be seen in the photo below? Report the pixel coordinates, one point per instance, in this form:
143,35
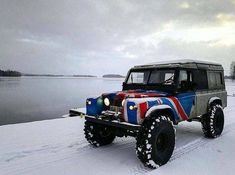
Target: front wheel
156,141
98,135
213,122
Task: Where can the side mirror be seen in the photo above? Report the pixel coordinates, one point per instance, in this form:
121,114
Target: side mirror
123,86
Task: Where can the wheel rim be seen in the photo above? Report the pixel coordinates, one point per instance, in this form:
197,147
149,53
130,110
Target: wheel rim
105,132
219,121
162,142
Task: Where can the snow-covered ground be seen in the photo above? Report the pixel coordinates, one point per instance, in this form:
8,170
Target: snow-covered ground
58,147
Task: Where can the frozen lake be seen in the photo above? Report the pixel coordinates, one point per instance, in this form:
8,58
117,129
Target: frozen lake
27,99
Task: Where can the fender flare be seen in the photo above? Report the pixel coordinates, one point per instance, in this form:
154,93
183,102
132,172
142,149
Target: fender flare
161,108
217,100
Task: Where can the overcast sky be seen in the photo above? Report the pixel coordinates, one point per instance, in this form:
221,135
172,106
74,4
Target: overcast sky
99,37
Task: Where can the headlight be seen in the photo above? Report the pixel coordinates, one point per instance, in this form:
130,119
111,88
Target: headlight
123,101
132,107
106,102
88,102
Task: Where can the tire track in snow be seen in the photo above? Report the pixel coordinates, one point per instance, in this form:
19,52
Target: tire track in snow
179,152
140,169
84,148
184,149
81,148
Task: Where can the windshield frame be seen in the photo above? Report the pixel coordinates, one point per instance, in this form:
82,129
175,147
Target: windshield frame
150,73
171,88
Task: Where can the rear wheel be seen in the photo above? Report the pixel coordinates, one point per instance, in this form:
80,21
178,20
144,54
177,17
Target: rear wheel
213,122
156,141
98,135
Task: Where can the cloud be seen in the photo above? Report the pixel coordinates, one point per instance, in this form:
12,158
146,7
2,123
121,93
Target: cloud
184,5
100,37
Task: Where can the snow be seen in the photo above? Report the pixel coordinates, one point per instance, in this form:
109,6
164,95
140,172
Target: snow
59,147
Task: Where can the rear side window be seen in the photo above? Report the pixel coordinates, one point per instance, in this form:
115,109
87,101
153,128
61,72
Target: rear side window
200,79
215,80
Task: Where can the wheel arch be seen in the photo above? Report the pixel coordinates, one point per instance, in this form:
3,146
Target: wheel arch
214,100
160,109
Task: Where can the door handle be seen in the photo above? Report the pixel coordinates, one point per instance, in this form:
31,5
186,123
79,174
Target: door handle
194,102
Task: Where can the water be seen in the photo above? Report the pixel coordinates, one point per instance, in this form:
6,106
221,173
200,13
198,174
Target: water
28,99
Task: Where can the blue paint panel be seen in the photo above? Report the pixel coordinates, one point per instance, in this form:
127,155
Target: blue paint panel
152,103
95,108
186,100
132,114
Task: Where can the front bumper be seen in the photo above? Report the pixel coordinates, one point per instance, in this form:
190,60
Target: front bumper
114,123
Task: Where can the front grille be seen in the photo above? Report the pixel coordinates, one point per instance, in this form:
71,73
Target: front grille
115,109
114,112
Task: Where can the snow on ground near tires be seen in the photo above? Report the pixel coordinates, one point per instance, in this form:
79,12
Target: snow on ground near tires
58,147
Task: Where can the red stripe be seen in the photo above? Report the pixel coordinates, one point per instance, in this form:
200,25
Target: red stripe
143,109
137,95
131,91
179,108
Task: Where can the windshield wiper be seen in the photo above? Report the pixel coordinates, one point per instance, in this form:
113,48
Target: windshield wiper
169,80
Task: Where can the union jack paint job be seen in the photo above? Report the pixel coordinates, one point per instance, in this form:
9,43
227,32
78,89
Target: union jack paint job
138,102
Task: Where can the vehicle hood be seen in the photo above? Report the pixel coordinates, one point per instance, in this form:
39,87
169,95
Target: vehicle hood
116,98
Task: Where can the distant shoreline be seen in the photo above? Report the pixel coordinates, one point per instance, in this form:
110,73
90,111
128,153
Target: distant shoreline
51,75
113,76
62,76
66,76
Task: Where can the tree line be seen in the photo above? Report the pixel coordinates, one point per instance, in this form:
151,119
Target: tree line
9,73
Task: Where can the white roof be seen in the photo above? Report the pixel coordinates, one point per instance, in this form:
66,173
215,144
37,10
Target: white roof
183,61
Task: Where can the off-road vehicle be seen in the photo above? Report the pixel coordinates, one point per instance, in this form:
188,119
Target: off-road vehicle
154,98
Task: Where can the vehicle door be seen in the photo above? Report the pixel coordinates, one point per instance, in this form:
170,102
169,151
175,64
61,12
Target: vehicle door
186,95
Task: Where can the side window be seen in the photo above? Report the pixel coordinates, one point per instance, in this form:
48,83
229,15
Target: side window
162,76
219,80
212,79
183,76
185,80
200,79
215,80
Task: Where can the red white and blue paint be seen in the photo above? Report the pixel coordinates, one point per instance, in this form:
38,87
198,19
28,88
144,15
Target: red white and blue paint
138,104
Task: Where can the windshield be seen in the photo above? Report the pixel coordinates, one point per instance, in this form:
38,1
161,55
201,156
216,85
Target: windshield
138,77
160,76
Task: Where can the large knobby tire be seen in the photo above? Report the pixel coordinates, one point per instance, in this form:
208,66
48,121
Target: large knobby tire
213,122
98,135
156,141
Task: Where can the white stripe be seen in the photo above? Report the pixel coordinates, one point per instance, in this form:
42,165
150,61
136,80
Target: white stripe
125,111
